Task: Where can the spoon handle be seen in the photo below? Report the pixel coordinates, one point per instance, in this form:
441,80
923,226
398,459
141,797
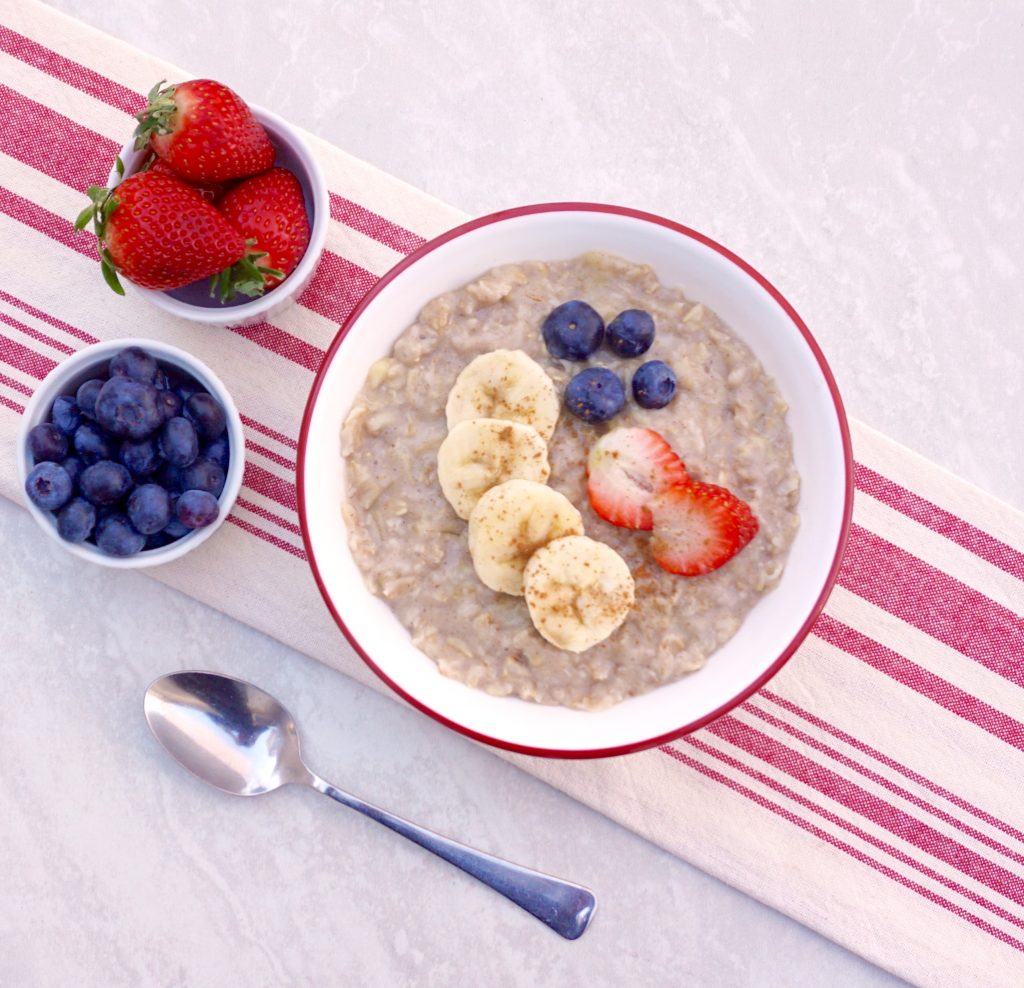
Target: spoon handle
563,906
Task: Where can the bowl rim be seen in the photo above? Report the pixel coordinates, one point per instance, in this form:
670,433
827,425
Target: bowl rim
264,305
98,353
750,271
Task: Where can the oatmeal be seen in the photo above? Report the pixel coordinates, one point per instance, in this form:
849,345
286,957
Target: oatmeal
726,421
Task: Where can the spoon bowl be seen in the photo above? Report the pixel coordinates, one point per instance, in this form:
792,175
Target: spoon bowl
238,738
227,732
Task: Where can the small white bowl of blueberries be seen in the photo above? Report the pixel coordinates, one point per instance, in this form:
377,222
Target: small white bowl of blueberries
131,453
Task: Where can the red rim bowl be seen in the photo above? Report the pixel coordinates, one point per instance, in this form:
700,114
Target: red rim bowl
705,271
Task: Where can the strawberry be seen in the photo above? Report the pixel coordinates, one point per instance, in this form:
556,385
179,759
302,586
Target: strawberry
270,212
210,191
204,131
699,527
160,233
626,469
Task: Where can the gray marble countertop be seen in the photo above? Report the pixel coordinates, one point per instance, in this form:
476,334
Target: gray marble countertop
864,157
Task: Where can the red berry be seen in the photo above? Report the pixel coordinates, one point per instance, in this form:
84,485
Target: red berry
204,131
270,209
626,469
210,191
160,233
699,527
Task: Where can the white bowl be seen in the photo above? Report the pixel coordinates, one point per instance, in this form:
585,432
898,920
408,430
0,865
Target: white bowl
193,301
706,272
92,361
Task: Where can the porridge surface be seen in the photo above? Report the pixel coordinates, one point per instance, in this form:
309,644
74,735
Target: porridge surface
727,423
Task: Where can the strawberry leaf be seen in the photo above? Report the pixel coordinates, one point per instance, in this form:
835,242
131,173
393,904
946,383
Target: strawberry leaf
219,284
110,272
156,117
102,203
84,216
244,277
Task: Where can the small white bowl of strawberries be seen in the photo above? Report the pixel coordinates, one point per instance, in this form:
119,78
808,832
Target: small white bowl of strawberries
215,211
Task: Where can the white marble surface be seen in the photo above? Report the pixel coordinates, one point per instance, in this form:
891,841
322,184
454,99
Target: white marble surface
866,157
120,870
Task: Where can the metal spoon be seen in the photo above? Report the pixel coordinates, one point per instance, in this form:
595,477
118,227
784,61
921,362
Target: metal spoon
241,740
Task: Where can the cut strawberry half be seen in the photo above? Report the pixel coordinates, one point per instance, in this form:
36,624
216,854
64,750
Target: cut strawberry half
626,470
699,527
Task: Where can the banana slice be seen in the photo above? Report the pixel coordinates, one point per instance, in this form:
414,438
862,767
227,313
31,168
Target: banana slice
505,384
480,453
509,523
578,591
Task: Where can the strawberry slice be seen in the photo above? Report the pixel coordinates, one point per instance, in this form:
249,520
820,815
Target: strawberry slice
626,470
699,527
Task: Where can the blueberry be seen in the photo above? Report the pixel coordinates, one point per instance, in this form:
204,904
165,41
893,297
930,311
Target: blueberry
92,444
654,384
135,363
65,414
178,442
48,486
206,414
86,397
102,514
186,389
219,451
46,442
595,395
74,467
175,378
204,475
162,381
175,529
116,537
76,520
149,508
128,409
141,457
197,509
631,333
158,540
573,331
105,482
169,403
170,476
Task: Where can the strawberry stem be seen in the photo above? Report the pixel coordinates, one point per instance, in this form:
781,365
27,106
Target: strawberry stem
244,277
156,117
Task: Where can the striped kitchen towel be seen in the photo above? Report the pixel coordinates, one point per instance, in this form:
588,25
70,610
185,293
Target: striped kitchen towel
874,790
